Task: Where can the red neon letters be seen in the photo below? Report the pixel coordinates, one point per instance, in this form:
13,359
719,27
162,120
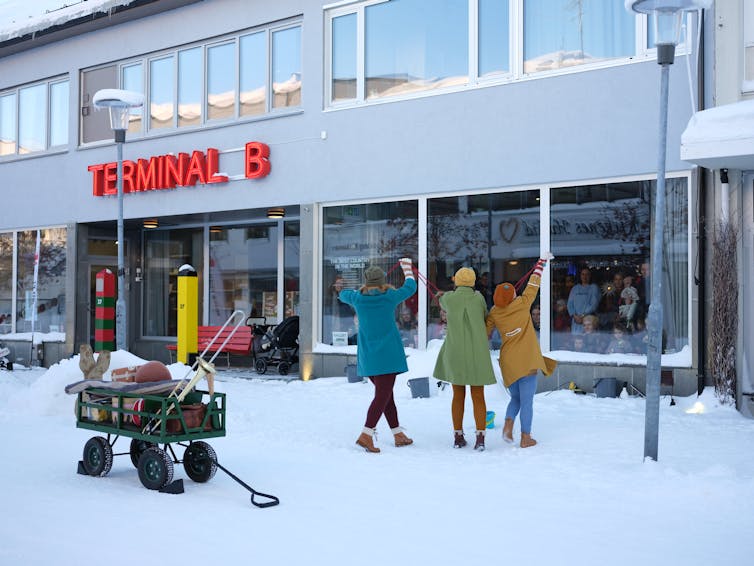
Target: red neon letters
170,171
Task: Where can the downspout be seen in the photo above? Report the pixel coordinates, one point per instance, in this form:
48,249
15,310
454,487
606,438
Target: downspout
701,350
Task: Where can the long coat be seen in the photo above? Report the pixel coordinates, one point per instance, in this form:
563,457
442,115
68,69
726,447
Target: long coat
520,354
464,358
379,345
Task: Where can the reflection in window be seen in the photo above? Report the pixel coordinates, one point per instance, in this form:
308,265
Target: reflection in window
292,253
410,48
8,124
31,118
243,272
344,58
286,68
49,315
161,93
494,52
221,81
355,237
497,235
600,275
133,80
59,114
190,78
164,252
6,283
566,33
253,74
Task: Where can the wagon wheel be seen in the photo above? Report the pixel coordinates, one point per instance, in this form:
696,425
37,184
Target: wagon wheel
98,456
283,368
137,449
260,365
155,468
199,461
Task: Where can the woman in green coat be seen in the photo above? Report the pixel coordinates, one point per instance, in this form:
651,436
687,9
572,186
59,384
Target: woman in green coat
464,358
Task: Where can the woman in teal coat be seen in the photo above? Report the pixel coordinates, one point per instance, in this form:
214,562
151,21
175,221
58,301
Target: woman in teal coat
380,354
464,358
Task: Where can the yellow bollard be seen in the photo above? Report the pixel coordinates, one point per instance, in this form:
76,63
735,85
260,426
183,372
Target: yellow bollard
188,312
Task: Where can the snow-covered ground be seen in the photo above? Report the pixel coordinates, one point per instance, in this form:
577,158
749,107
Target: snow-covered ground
582,496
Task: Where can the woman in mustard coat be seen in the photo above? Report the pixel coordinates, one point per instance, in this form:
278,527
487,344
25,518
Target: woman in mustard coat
464,358
520,355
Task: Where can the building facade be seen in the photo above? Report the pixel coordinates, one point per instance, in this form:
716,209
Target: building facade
285,146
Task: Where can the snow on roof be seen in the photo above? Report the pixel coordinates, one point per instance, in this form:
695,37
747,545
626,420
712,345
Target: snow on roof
721,137
58,16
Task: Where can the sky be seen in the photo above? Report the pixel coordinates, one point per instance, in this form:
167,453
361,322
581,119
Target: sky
582,496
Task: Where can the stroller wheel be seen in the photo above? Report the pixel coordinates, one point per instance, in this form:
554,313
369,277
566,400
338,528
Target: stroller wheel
260,365
283,368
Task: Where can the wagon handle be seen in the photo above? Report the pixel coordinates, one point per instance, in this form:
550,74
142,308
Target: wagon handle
254,493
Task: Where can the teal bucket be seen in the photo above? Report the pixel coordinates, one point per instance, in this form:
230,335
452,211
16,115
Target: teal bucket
490,419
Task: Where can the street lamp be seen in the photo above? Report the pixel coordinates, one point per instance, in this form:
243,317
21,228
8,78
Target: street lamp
668,15
119,102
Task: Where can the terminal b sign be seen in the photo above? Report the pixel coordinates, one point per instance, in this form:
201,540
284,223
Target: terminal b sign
171,171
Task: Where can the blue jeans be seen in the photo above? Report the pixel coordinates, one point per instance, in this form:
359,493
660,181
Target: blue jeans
522,399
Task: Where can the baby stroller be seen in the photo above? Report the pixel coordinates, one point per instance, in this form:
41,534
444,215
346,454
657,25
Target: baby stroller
277,347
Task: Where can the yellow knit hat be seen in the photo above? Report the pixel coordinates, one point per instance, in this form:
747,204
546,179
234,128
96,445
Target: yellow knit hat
464,277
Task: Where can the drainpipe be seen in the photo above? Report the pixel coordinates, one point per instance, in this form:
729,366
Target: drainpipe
701,247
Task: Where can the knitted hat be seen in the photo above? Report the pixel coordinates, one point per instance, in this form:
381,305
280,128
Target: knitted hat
504,294
464,277
374,276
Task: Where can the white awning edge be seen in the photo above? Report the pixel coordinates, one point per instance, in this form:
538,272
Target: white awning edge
721,137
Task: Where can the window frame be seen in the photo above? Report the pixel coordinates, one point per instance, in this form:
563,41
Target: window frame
516,73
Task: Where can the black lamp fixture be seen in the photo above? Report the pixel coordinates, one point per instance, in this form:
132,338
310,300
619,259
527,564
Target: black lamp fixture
151,223
277,212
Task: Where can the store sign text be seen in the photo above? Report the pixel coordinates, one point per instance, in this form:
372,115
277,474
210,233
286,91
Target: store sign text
171,171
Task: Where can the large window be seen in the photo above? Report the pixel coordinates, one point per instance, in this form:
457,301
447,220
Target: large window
600,293
497,235
165,251
355,237
234,77
49,315
6,283
34,118
243,271
381,49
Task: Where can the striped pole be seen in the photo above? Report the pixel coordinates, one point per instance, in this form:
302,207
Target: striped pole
104,312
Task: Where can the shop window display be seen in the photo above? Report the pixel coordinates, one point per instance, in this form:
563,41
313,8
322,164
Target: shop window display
355,237
601,235
6,283
497,235
50,306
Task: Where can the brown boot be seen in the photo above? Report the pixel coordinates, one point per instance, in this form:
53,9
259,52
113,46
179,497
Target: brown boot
479,445
400,437
527,441
508,431
459,441
366,440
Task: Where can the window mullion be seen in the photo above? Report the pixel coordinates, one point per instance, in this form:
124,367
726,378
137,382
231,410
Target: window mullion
516,18
360,55
473,71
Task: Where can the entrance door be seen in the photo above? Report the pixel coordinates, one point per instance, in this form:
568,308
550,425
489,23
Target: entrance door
94,269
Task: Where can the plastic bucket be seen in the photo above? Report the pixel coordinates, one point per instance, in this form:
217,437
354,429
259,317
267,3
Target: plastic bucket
490,419
350,370
419,387
606,387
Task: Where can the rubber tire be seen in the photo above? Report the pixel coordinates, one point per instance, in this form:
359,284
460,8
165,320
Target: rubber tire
260,366
199,461
137,449
284,368
155,468
98,456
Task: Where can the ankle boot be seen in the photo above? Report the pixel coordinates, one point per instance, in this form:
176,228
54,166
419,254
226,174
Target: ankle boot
459,441
366,440
527,441
400,437
479,445
508,431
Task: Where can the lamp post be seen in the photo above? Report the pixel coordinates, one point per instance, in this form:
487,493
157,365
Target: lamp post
119,103
667,15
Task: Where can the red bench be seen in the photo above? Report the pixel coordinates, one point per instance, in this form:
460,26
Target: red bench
239,343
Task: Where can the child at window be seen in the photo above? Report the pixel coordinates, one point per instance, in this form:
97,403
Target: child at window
629,301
